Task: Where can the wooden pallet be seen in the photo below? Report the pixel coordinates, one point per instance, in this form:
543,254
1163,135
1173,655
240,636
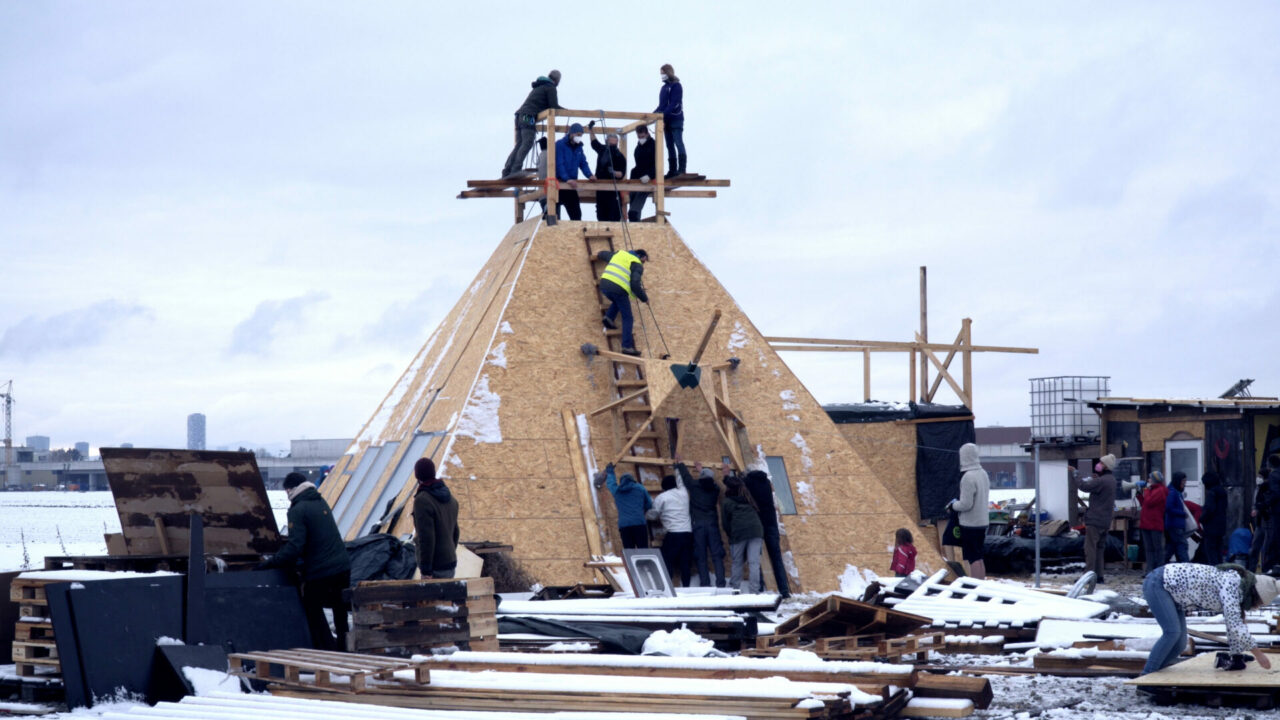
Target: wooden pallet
857,647
31,630
40,652
404,617
836,616
34,647
316,669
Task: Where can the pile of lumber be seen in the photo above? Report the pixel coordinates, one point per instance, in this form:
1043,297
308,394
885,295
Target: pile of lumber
838,628
34,649
322,669
404,617
969,600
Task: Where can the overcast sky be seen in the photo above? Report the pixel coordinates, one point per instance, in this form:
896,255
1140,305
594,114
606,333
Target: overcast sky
248,209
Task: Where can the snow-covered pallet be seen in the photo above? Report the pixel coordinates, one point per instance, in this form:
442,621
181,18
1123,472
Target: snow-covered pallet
856,647
403,617
34,648
1126,663
835,616
322,669
967,599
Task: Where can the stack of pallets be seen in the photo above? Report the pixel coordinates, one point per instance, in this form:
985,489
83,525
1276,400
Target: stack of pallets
322,669
33,647
404,617
837,628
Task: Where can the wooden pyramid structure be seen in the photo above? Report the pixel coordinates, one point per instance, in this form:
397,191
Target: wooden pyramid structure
519,396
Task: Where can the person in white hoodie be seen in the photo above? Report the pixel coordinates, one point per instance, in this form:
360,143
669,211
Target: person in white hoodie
972,507
672,506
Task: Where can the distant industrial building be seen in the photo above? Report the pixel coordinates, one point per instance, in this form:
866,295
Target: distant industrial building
39,443
195,431
82,447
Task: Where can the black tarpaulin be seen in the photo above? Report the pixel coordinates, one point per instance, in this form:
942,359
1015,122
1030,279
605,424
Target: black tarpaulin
938,464
613,639
380,557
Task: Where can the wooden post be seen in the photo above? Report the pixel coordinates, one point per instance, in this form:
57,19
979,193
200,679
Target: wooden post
659,182
552,182
911,382
924,332
586,505
866,376
967,360
164,541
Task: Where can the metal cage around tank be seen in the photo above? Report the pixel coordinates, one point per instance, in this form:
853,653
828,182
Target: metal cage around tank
1060,410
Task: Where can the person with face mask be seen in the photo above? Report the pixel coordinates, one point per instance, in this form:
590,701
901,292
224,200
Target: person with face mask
570,158
611,165
541,97
671,105
645,169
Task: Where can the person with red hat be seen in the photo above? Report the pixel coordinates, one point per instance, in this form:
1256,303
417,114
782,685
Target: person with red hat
435,523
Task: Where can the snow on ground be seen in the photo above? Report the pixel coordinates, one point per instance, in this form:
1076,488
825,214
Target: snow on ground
66,523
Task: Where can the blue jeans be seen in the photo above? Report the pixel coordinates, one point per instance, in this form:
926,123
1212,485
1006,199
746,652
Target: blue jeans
675,147
706,539
1177,547
621,303
1172,620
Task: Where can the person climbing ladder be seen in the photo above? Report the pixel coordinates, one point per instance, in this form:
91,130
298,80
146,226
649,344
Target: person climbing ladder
622,280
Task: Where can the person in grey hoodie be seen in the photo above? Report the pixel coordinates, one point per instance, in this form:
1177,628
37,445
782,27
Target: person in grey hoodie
1097,519
972,506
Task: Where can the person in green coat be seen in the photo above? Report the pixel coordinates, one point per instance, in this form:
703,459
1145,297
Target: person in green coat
746,533
316,545
435,523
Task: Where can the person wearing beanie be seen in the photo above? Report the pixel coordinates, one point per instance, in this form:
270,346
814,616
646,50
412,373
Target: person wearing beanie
611,165
632,501
760,487
435,523
1151,519
1172,590
542,97
671,105
704,500
315,543
645,170
1097,519
973,507
1260,518
743,526
570,158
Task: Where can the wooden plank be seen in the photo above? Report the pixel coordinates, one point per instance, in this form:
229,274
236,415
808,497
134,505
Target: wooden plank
859,345
966,361
626,447
937,382
586,503
551,114
659,182
963,708
942,370
975,689
367,593
620,401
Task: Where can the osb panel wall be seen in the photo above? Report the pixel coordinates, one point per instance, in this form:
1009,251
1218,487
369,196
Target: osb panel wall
1154,433
507,360
890,450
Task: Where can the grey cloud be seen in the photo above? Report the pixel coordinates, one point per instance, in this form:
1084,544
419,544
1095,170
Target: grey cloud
80,328
254,334
408,323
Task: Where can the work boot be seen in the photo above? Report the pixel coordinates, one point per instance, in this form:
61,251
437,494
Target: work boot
631,351
683,168
609,324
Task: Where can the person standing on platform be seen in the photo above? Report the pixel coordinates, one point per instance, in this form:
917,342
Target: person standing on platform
1178,521
973,508
704,497
632,501
315,543
1097,519
672,508
623,279
1151,520
742,526
543,96
435,523
570,158
645,170
1213,518
671,105
611,165
760,488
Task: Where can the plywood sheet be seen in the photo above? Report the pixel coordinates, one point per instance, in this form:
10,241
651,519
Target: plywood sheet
1198,672
1155,433
225,488
890,449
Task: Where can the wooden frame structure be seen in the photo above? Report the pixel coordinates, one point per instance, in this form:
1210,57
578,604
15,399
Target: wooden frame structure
531,189
921,354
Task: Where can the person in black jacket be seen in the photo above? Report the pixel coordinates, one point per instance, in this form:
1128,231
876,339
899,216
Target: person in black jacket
543,96
761,489
435,523
1213,518
645,169
704,497
315,544
611,165
1260,518
1273,524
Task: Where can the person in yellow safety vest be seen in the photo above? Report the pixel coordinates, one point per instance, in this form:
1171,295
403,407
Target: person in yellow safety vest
622,280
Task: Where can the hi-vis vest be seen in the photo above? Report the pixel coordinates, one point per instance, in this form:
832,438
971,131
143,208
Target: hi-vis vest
618,271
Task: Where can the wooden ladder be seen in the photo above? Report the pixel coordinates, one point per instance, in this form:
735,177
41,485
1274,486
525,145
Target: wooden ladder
628,378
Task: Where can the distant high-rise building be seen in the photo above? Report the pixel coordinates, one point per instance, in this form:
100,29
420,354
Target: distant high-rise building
195,431
39,443
126,445
83,449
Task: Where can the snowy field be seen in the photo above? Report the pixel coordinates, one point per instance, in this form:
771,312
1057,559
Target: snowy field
36,524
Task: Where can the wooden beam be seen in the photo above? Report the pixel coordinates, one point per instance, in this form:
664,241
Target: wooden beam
551,114
925,395
967,360
858,345
911,381
586,505
933,389
619,357
626,447
726,412
926,421
964,398
866,376
620,401
659,182
164,541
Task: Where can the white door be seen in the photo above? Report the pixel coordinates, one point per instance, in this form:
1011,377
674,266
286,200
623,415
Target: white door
1186,456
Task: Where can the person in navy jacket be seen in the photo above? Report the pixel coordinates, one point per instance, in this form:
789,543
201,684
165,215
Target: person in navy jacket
570,158
671,105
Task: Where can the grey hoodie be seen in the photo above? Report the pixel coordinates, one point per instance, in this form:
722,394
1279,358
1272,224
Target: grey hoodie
974,489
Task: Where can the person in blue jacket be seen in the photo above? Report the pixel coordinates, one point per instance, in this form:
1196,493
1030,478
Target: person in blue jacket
671,105
633,501
1175,519
570,158
1239,546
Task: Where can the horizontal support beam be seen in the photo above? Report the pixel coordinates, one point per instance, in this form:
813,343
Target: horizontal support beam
533,195
619,357
596,114
620,401
816,344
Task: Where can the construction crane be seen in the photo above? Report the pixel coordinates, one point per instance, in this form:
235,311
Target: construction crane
8,433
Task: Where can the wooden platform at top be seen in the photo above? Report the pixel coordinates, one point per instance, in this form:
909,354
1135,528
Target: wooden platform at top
688,185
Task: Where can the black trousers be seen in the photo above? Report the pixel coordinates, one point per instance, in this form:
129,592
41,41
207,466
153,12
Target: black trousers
773,545
634,536
569,201
321,593
608,206
677,553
